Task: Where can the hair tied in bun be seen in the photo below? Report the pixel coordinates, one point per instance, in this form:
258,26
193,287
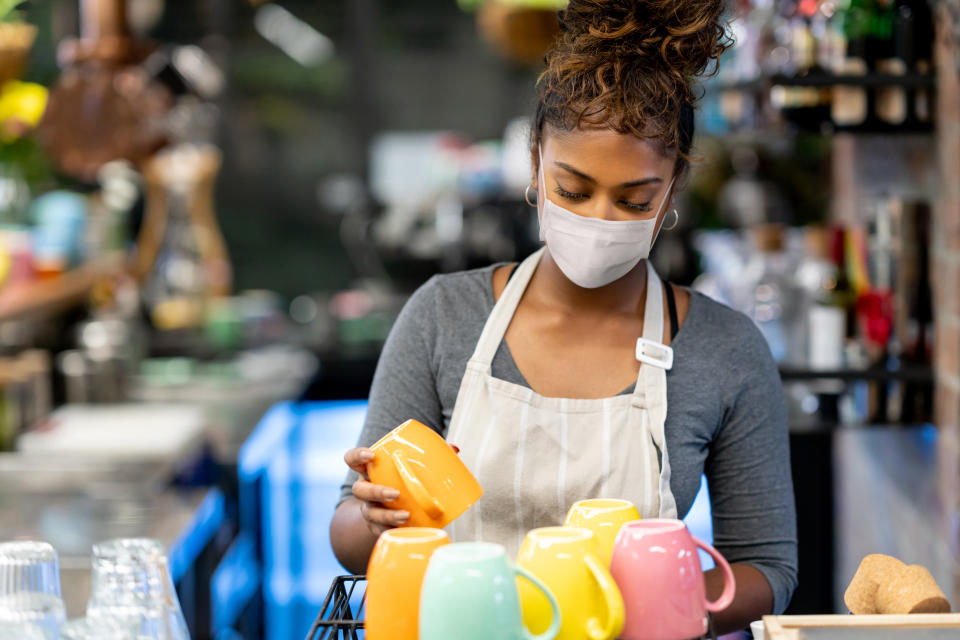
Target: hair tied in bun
631,66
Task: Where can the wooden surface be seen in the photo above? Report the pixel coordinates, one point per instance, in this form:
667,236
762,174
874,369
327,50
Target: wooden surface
45,297
791,627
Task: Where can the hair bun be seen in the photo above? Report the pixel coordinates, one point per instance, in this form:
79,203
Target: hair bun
678,36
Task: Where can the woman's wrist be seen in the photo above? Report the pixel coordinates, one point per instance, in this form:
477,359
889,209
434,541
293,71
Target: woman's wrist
754,598
351,537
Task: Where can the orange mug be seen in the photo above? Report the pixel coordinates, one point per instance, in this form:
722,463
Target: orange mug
435,486
394,577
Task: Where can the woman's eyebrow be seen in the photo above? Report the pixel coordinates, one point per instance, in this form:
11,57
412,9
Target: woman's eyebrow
592,180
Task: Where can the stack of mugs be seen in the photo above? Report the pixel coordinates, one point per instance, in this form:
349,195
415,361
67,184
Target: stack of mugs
603,574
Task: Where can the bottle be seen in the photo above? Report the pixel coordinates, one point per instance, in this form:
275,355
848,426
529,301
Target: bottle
922,40
818,277
773,300
894,40
849,105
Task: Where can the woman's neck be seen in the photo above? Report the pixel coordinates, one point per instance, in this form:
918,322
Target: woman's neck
623,296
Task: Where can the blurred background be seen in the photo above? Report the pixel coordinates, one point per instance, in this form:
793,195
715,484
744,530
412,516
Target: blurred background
211,212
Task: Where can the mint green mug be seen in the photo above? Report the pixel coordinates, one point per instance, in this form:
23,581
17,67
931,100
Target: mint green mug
470,593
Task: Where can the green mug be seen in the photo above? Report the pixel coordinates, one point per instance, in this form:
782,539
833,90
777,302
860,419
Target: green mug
470,593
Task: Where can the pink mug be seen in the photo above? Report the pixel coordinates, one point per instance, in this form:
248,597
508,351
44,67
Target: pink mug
656,566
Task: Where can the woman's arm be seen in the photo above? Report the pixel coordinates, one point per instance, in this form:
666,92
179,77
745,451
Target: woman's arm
754,597
750,482
404,387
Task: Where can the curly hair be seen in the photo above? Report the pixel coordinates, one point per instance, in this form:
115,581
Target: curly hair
630,65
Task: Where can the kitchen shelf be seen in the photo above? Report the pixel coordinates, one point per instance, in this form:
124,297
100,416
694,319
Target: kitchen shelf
915,374
868,80
830,80
47,297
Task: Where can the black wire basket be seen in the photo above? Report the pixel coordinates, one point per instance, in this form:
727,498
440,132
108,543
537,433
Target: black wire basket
341,616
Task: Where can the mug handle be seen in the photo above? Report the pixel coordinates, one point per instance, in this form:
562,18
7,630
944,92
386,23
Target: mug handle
412,483
554,629
613,600
729,584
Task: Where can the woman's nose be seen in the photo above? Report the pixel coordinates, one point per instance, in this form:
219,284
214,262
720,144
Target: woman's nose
601,208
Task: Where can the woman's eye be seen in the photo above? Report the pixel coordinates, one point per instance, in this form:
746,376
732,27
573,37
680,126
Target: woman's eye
635,205
563,193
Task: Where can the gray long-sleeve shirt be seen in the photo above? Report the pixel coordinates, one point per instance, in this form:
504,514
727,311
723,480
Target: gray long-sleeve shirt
726,415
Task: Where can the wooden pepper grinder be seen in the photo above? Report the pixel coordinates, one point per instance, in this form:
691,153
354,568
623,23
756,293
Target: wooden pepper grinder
182,259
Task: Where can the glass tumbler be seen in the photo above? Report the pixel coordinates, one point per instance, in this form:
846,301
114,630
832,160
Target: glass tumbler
97,629
21,631
30,585
131,583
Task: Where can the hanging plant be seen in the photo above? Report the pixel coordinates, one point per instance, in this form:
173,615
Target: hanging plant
8,10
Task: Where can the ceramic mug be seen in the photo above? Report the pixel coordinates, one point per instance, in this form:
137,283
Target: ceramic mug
394,577
656,566
435,486
603,517
470,593
566,560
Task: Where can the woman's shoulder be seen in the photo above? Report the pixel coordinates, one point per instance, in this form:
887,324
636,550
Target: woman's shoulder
714,328
467,286
456,299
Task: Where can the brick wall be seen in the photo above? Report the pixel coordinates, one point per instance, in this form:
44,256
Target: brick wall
946,270
946,250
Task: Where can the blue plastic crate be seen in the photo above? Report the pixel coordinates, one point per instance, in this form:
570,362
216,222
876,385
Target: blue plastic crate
290,472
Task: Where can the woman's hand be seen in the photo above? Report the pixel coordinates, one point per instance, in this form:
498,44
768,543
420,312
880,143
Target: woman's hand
377,517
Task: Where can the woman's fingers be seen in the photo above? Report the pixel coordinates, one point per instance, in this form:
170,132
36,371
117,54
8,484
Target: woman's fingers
358,458
369,492
378,516
372,496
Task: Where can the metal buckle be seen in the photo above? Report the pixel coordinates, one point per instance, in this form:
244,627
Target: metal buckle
654,353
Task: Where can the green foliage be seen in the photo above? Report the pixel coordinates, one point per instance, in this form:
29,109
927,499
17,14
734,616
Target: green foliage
8,12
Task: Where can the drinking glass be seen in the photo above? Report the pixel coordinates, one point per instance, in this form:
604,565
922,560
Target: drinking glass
97,629
131,583
30,585
21,631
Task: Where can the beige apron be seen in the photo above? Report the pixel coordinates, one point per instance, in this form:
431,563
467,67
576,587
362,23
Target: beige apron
535,456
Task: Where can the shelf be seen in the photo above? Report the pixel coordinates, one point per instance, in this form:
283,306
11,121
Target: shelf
46,297
868,80
915,374
831,80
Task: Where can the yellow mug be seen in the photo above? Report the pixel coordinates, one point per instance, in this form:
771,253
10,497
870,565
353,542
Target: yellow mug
394,578
435,486
566,560
603,517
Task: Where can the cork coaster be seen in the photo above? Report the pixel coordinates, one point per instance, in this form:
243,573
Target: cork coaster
875,569
911,590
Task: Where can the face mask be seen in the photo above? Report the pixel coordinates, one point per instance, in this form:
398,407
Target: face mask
593,252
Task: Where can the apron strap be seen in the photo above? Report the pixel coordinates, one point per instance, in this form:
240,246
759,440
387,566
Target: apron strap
654,356
653,307
503,310
650,348
651,390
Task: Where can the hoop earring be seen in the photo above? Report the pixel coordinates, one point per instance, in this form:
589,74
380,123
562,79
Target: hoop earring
526,196
676,221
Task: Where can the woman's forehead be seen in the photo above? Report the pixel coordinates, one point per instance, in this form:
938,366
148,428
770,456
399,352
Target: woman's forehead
606,151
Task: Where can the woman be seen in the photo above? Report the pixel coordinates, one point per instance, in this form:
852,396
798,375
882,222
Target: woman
536,371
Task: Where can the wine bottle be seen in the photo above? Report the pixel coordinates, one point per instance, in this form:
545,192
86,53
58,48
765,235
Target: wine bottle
922,39
892,101
849,106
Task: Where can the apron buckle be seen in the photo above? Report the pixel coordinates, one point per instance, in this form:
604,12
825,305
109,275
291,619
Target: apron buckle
654,353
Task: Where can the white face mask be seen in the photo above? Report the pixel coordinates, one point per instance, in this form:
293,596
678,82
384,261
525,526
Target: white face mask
592,252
